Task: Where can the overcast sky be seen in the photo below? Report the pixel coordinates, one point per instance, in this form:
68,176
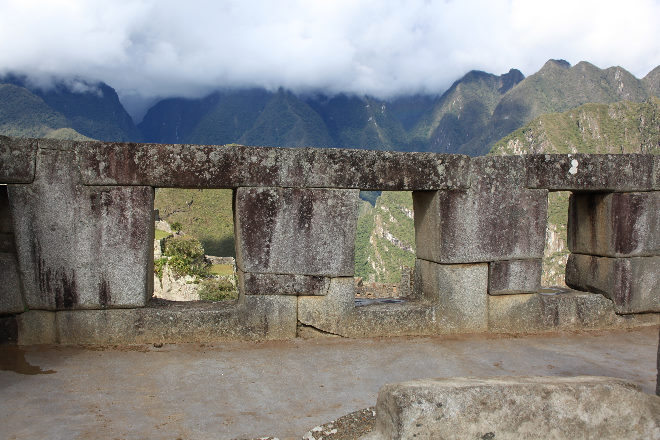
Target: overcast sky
160,48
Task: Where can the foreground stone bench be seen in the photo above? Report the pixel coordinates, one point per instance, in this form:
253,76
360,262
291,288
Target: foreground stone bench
585,407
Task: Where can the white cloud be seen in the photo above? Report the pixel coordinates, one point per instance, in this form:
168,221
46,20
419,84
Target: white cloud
164,47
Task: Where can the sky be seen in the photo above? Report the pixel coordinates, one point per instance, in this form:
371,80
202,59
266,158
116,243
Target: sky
149,49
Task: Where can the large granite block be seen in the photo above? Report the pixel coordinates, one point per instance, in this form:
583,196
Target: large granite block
514,276
282,284
495,219
585,407
203,166
614,224
633,284
296,231
17,158
459,292
11,300
591,172
81,247
329,313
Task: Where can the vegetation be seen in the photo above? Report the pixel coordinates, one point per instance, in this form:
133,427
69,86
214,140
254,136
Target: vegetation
186,256
203,214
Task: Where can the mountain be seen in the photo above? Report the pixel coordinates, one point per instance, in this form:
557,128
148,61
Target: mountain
558,87
91,109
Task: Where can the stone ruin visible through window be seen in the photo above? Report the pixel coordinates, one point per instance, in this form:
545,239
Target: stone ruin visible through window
194,251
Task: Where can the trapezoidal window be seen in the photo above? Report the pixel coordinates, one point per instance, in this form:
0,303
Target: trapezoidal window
384,246
194,252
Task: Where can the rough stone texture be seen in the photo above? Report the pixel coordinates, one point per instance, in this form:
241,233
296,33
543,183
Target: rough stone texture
331,312
633,284
459,292
614,224
37,327
657,386
591,172
409,318
282,284
17,160
81,247
11,300
496,219
197,166
296,231
8,329
556,309
255,318
582,407
514,276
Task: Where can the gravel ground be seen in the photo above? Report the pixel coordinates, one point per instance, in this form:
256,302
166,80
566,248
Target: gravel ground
349,427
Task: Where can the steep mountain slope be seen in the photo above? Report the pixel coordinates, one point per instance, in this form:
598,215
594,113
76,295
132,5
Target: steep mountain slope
385,241
92,109
464,110
557,87
24,114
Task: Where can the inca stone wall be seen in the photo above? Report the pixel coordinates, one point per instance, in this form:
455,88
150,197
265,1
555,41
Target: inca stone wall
76,234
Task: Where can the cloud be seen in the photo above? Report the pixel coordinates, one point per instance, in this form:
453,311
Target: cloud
158,48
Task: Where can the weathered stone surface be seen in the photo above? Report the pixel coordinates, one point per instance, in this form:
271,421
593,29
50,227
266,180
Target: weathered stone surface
198,166
459,292
657,386
8,329
282,284
254,318
17,160
514,276
402,319
37,327
591,172
331,312
81,247
496,219
11,300
296,231
553,309
516,408
633,284
614,224
6,228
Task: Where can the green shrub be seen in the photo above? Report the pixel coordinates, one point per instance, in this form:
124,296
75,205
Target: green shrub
176,227
159,266
217,289
186,256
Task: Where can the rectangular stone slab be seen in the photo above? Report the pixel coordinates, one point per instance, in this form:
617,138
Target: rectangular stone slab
204,166
514,276
592,172
17,158
81,247
459,292
497,218
282,284
11,300
614,224
515,408
633,284
296,231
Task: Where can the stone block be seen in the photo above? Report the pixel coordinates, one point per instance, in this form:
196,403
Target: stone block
459,293
497,218
514,276
329,313
81,247
37,327
200,166
17,158
11,300
282,284
591,172
550,310
614,224
5,217
633,284
254,318
516,408
8,330
296,231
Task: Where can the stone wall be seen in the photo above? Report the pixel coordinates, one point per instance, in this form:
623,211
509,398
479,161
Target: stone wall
76,230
